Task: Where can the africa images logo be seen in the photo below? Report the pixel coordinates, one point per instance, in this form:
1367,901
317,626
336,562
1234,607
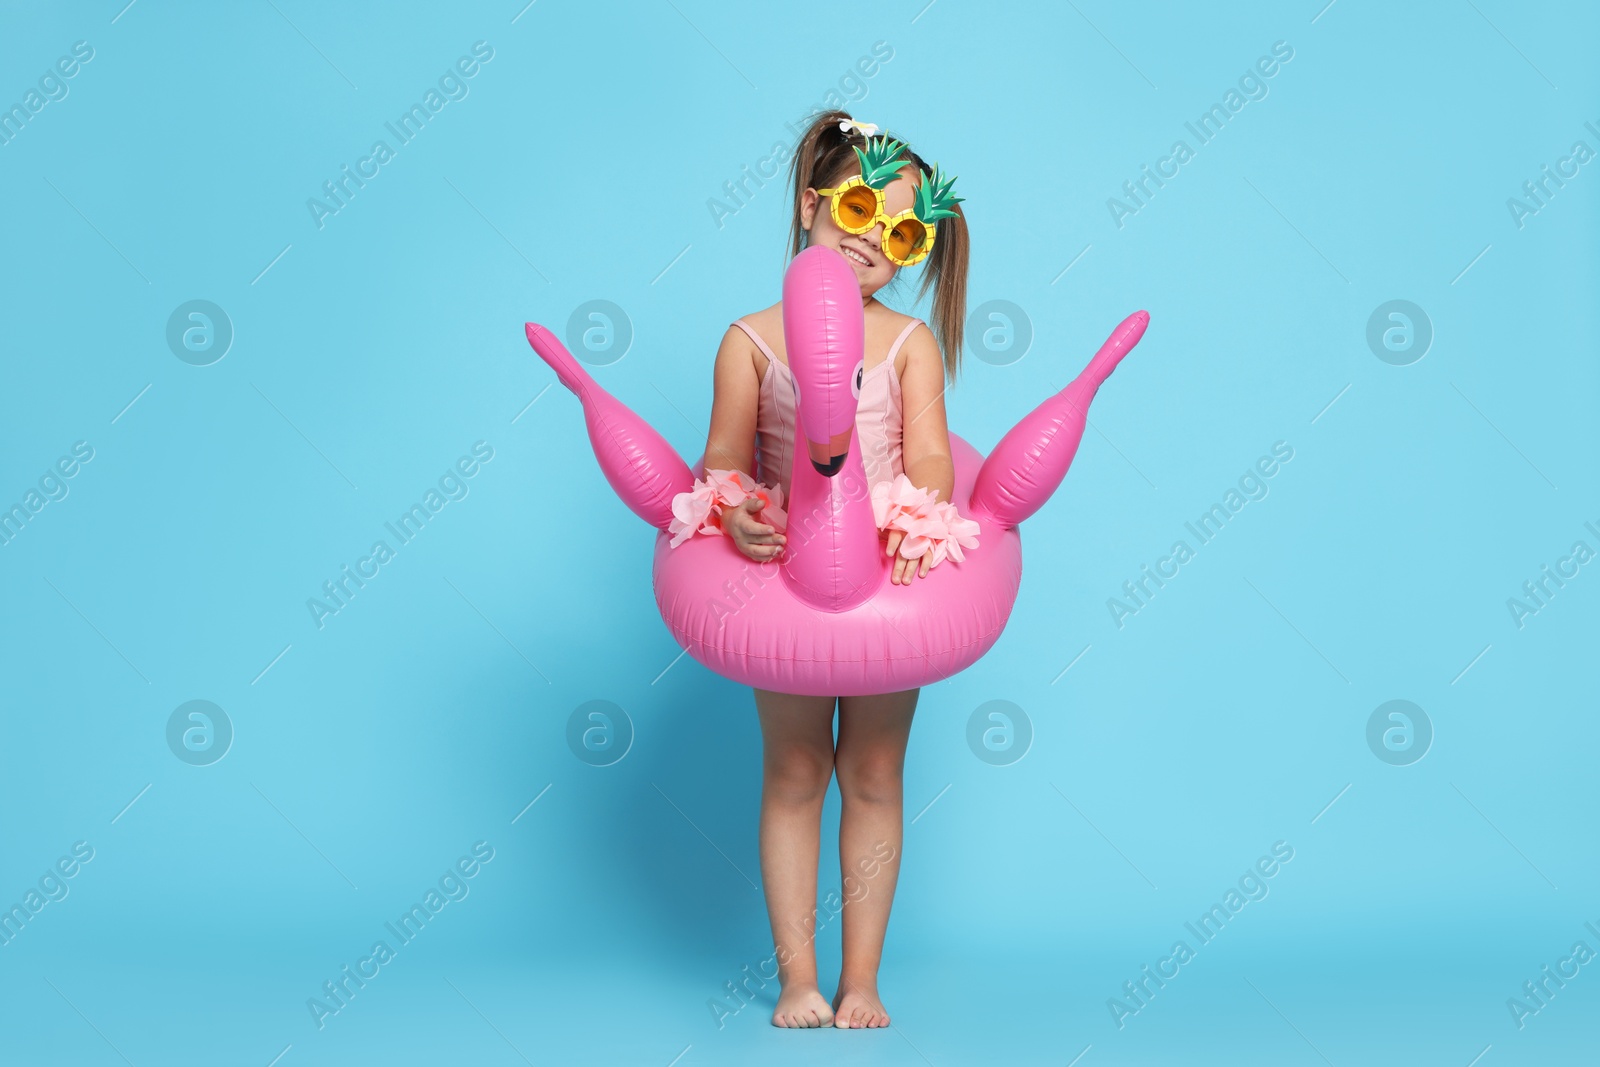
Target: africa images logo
453,485
452,85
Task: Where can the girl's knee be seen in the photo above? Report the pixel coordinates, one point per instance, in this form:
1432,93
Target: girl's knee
799,773
873,778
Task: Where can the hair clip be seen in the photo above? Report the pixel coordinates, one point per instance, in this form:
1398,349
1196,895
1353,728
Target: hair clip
865,129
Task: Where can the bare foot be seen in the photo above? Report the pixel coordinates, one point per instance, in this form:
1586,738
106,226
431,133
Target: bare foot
802,1005
856,1005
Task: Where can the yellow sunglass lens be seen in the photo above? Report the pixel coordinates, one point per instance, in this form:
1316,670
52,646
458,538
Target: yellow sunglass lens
857,207
908,239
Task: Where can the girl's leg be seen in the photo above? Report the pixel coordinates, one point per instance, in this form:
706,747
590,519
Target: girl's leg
797,763
870,759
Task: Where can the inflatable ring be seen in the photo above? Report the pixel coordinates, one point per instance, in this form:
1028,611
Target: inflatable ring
823,619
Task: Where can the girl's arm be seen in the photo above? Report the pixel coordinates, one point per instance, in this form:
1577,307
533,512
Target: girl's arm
731,442
925,437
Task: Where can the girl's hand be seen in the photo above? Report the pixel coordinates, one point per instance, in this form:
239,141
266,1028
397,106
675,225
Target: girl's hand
904,569
750,535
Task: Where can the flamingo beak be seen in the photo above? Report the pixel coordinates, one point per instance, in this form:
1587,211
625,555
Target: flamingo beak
828,457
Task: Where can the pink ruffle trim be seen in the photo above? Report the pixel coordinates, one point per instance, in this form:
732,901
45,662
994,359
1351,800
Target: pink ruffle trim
699,510
932,527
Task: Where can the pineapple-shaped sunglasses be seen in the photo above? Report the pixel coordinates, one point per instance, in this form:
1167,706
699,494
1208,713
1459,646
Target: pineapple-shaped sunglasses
858,204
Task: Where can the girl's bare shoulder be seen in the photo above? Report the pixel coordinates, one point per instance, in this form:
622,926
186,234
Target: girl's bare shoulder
768,325
882,315
768,321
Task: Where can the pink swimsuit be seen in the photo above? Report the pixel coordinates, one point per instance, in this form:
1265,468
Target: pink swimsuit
878,417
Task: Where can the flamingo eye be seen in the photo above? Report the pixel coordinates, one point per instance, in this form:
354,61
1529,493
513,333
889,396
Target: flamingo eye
855,379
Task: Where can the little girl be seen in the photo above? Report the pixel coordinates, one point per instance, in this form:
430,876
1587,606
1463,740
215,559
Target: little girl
901,426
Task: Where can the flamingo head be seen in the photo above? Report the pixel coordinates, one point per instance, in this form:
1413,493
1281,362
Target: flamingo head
824,330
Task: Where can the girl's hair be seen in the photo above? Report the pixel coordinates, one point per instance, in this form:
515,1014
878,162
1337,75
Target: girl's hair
825,155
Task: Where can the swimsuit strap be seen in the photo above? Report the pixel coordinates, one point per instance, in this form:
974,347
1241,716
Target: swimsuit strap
894,349
750,330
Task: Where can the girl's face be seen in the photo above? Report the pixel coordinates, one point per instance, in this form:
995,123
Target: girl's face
864,251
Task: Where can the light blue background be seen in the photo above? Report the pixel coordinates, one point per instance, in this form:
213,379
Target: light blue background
425,716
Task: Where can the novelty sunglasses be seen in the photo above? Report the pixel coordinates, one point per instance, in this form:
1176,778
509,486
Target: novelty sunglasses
856,208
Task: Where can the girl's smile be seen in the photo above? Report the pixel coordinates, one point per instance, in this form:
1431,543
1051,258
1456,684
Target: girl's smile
855,256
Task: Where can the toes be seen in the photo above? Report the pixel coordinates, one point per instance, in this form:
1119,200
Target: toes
855,1013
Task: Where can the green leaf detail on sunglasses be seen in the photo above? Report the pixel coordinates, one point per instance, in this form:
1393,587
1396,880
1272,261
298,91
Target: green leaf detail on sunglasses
881,161
934,199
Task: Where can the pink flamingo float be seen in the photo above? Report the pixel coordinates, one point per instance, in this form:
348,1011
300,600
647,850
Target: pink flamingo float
823,619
